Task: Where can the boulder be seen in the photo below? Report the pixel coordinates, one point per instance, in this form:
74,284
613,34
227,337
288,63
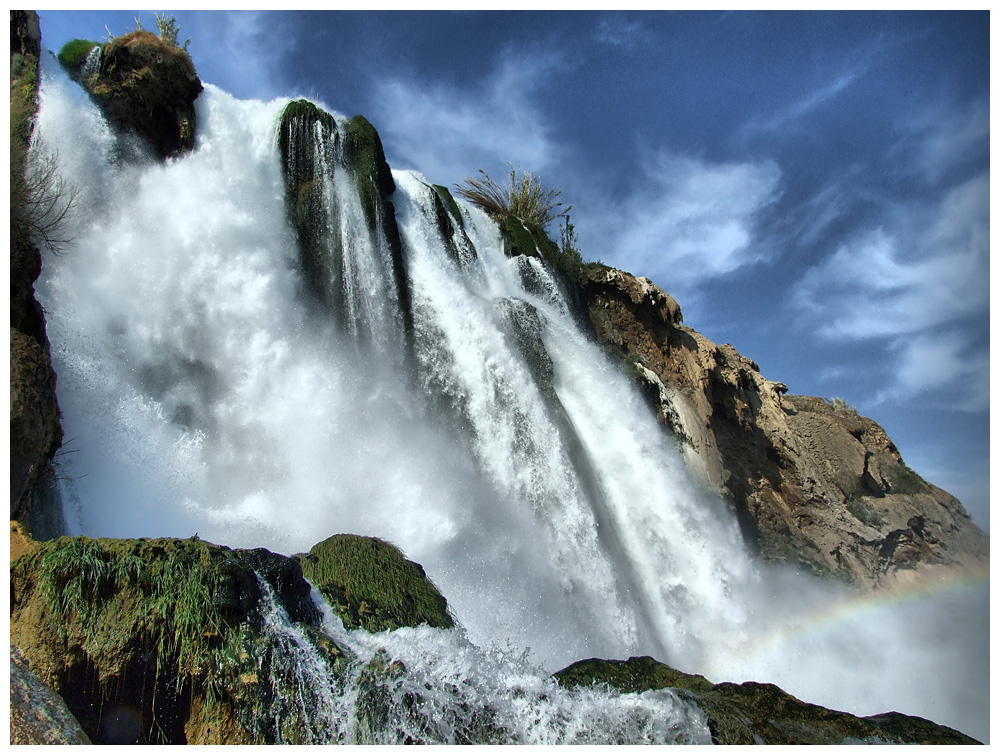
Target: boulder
38,716
372,585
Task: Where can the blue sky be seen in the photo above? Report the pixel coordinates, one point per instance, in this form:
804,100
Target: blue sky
811,187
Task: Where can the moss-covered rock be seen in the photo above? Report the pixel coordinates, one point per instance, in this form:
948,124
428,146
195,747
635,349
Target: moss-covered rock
74,54
143,84
372,585
517,239
315,149
451,226
364,156
164,640
753,713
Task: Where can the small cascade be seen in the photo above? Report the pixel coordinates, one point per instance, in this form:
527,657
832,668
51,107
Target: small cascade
432,686
92,65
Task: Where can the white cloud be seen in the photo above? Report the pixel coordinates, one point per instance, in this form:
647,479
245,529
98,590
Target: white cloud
920,282
693,220
448,133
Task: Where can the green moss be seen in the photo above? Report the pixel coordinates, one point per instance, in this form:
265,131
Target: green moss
364,156
754,713
450,204
371,584
517,238
903,480
74,53
864,513
633,675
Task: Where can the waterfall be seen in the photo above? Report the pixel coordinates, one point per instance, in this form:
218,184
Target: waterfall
434,393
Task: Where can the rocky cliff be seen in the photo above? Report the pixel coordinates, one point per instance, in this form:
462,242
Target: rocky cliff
35,432
812,482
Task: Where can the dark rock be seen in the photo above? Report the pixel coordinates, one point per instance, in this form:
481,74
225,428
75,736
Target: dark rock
35,432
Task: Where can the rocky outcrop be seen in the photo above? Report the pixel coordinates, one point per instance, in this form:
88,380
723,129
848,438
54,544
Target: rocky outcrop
370,584
753,713
812,483
166,640
38,716
315,147
143,84
35,430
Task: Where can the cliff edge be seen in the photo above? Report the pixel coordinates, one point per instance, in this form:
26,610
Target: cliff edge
812,482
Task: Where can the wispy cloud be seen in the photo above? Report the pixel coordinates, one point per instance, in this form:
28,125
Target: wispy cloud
805,105
946,137
921,284
440,128
693,220
618,31
238,51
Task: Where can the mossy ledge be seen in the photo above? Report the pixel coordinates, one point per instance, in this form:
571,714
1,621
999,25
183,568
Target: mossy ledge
143,84
754,713
162,640
372,585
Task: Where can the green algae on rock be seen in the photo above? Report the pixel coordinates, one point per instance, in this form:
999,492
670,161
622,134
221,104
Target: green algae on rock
372,585
754,713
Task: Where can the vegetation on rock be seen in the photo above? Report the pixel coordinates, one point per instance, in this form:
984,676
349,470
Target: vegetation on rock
74,53
522,196
170,629
372,585
145,84
753,713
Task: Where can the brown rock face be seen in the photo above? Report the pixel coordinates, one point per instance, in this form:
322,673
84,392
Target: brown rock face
811,484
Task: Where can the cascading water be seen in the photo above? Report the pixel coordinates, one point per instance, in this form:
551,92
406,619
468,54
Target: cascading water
203,390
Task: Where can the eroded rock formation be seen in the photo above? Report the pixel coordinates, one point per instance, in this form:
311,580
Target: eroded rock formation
812,484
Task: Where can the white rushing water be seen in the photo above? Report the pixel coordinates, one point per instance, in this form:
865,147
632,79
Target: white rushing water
202,392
